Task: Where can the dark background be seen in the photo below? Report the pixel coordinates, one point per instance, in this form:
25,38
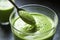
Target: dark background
5,31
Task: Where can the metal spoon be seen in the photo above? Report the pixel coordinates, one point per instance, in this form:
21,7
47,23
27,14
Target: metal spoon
25,16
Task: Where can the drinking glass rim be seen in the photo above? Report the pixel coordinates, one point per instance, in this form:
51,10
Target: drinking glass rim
35,5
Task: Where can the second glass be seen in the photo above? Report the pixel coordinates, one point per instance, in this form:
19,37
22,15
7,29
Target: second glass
6,8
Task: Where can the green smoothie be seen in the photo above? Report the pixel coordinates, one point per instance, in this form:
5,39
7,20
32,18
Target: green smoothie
42,31
6,9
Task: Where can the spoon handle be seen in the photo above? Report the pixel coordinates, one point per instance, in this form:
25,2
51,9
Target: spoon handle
14,4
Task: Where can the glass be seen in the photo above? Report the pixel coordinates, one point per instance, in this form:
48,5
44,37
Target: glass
6,9
43,34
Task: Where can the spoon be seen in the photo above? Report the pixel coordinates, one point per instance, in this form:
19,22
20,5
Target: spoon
25,16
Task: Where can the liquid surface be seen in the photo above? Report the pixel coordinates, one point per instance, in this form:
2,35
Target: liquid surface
5,4
25,31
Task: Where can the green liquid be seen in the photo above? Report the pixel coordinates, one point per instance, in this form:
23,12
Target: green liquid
6,9
23,31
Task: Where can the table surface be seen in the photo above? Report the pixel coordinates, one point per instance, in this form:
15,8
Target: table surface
5,31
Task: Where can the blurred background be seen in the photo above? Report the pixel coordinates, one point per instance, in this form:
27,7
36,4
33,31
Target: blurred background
5,31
